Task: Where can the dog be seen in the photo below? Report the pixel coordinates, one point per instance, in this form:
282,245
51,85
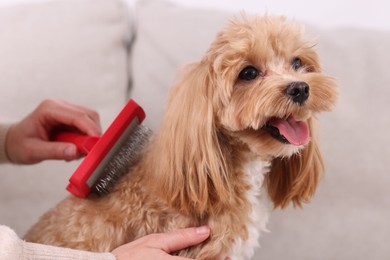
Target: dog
238,137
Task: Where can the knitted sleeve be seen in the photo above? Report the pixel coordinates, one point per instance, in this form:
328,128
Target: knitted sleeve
11,247
3,134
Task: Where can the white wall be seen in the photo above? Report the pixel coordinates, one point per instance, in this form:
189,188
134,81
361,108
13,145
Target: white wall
372,14
327,13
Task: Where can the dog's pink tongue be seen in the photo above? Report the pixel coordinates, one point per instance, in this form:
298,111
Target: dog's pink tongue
296,132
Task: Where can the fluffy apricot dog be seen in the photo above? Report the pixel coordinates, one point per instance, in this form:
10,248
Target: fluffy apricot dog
237,136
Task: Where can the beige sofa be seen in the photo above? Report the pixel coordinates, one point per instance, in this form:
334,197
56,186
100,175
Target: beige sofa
96,53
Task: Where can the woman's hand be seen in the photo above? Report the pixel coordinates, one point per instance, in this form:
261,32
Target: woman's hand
28,141
159,246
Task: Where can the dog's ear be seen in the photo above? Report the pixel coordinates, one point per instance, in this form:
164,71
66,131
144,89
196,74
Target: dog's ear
295,179
193,174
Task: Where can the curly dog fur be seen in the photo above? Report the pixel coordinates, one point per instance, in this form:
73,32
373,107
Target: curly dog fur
238,134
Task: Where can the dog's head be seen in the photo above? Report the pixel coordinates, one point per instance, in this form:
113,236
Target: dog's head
260,85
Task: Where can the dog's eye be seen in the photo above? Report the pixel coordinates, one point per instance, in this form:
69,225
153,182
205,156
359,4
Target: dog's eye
296,63
249,73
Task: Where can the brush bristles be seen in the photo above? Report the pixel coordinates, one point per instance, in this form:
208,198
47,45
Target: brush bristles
121,162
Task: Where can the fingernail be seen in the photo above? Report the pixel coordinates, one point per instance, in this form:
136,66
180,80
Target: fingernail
202,230
70,151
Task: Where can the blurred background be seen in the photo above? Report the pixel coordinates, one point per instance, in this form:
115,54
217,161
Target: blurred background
367,14
373,14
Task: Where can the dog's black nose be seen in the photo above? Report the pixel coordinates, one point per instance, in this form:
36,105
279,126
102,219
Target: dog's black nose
298,91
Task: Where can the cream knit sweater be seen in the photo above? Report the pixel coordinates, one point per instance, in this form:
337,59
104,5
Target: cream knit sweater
13,248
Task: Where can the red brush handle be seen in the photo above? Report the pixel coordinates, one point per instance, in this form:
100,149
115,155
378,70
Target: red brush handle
83,143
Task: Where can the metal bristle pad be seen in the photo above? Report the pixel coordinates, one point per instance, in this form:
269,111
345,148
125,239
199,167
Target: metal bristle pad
125,157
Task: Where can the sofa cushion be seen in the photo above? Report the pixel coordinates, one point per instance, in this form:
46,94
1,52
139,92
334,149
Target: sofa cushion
69,49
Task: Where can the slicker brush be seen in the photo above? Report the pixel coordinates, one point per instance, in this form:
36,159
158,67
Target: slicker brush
109,156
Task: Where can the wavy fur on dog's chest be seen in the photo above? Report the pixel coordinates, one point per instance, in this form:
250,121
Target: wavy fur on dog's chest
259,214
